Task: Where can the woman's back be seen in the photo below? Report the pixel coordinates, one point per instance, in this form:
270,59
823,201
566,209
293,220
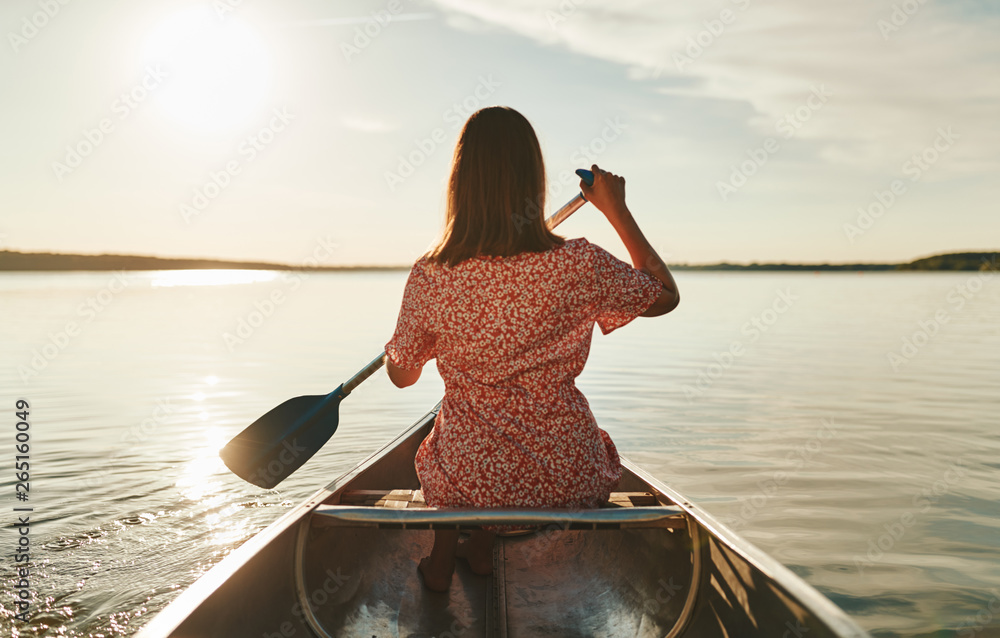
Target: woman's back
493,320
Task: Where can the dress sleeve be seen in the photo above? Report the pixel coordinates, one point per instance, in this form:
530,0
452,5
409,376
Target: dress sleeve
623,292
412,344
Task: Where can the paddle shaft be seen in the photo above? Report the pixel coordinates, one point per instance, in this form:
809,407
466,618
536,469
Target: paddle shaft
553,220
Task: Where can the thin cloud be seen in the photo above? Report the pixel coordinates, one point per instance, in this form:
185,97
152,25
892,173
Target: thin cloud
895,78
367,125
352,20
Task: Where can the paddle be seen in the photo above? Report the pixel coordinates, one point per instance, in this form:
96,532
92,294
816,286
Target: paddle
281,441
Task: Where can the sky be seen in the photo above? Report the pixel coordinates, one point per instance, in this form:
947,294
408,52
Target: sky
747,130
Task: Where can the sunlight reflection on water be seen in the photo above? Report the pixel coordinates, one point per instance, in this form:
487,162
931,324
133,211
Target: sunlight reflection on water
221,277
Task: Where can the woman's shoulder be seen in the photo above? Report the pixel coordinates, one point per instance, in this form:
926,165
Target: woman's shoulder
422,263
576,249
591,258
423,271
583,249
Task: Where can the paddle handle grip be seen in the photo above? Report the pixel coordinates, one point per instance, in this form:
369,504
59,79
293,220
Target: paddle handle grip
360,377
553,220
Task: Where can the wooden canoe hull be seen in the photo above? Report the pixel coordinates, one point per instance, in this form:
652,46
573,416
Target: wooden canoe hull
682,574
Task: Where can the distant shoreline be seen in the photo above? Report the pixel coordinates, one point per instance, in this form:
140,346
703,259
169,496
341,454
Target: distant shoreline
13,261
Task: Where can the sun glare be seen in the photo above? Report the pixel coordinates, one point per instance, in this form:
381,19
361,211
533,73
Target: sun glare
213,277
199,479
217,70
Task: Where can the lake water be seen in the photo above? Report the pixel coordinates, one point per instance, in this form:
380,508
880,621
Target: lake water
789,405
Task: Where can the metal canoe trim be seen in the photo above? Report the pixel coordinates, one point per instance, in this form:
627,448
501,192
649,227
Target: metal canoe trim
315,626
687,611
824,609
497,624
431,518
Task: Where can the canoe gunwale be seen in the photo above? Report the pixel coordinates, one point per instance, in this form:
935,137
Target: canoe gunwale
788,580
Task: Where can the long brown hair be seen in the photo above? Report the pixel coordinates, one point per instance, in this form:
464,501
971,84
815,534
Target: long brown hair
496,191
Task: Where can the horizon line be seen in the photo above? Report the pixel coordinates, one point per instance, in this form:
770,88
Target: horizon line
271,265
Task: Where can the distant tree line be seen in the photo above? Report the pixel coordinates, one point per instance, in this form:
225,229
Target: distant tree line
16,261
956,261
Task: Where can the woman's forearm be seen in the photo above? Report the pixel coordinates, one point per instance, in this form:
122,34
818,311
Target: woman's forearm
643,255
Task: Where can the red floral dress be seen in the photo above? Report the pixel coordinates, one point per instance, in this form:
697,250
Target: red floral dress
510,335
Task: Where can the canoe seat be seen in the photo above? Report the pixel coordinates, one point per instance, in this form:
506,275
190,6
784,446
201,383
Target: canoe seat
395,499
407,509
403,499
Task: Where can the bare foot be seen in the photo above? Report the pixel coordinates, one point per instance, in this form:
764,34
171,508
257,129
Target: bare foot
435,579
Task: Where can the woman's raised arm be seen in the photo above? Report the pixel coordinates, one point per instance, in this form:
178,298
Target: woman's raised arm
608,195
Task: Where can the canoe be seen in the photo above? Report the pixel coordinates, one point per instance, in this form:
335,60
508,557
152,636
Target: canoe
344,563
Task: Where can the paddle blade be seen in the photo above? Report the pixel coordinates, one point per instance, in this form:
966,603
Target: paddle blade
281,441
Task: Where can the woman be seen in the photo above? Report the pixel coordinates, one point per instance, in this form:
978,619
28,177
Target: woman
508,308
